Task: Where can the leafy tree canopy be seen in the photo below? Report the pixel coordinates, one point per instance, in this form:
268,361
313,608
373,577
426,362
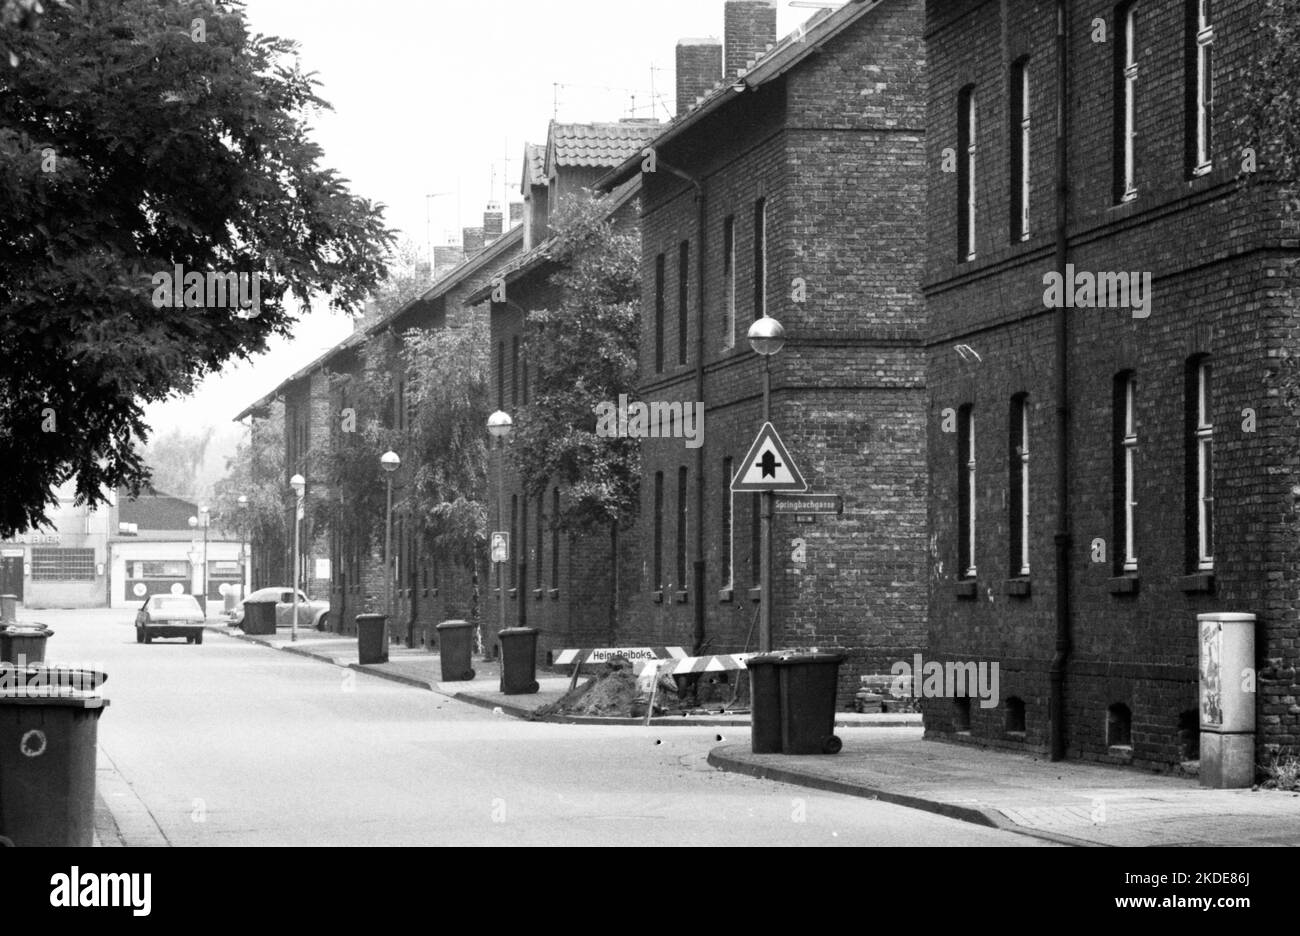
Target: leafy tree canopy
585,353
136,136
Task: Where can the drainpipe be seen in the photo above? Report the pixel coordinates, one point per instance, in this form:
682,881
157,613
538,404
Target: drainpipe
697,588
1056,714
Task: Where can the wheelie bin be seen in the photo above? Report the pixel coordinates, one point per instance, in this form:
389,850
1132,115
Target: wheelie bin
48,735
764,704
372,638
259,618
455,647
518,660
808,685
23,640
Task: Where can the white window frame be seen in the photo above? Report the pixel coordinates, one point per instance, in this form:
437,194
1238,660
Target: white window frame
1204,471
1130,444
1024,485
1025,138
972,126
1204,87
972,567
1130,101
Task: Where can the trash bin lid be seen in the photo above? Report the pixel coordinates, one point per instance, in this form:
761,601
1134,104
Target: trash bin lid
516,631
452,625
35,676
54,696
793,659
26,630
763,659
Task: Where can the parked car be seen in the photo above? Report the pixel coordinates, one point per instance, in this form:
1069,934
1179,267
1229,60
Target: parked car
312,614
169,616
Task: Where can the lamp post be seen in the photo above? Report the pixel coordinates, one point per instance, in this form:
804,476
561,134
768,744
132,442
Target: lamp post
389,462
499,426
202,520
766,337
245,547
299,485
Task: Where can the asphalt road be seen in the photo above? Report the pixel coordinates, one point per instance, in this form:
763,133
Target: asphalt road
231,743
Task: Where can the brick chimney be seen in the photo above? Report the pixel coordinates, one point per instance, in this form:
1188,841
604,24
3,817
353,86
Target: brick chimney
699,68
492,221
471,241
749,28
516,213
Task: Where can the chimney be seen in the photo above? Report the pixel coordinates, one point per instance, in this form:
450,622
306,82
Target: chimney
748,29
516,213
471,240
699,68
492,222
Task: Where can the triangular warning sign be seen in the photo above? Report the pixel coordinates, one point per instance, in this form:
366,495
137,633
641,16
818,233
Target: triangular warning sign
768,466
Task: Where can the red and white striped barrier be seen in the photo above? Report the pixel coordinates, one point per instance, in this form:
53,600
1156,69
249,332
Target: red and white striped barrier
717,663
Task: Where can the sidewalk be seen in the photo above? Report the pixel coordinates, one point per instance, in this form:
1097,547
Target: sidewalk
1071,802
423,669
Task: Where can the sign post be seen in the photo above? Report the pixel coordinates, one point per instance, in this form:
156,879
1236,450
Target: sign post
767,468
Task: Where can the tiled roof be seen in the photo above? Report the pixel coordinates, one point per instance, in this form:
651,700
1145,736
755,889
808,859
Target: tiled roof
597,144
534,167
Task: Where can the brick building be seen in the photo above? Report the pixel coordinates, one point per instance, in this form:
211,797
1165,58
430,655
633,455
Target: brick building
794,187
428,588
1102,473
563,584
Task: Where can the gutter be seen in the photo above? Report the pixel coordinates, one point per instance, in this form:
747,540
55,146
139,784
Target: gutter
1060,659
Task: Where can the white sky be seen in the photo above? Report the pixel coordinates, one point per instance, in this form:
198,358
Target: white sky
430,95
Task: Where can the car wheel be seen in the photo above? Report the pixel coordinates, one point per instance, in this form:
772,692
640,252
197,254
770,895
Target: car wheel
139,635
324,623
198,639
148,637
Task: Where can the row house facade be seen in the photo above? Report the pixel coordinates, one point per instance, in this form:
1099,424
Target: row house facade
790,185
1109,309
567,585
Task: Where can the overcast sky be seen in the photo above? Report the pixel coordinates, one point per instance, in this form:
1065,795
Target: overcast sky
433,96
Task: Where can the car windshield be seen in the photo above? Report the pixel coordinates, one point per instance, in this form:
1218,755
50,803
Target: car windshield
172,603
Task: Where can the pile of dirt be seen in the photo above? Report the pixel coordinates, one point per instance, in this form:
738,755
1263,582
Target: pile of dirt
612,693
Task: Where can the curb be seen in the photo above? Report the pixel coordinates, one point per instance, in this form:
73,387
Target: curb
989,819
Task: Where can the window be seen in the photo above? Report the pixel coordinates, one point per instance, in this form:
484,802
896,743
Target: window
1126,104
1201,473
760,258
683,297
681,529
153,568
555,538
659,314
1018,521
1126,445
966,490
57,564
729,282
514,371
967,137
1020,150
501,375
514,537
1201,77
659,532
541,523
726,531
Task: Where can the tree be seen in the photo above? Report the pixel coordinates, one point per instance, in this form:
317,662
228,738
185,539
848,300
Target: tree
586,353
135,137
256,471
175,461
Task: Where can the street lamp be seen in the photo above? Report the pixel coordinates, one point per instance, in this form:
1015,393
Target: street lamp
766,337
202,521
499,426
299,485
245,546
389,462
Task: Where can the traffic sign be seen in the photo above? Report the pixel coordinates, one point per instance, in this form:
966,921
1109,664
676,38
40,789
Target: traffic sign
768,466
500,547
